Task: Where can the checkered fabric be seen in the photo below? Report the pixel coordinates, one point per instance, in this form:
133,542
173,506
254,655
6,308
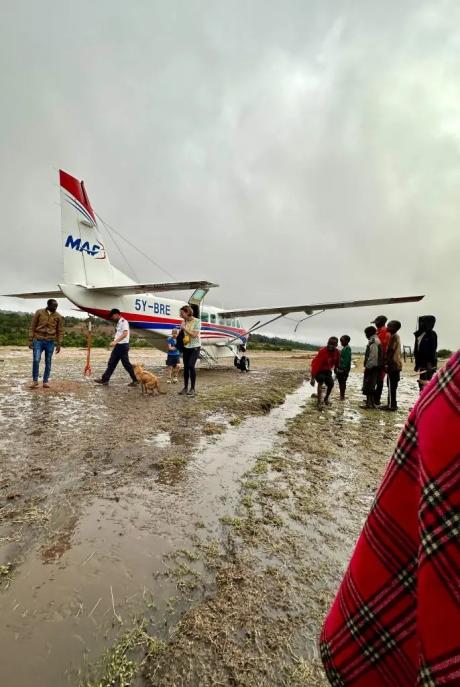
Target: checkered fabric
395,621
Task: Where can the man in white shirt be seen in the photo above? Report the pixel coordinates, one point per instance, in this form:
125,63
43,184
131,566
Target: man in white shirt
120,349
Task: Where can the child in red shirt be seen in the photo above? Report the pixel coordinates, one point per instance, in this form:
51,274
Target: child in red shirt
326,360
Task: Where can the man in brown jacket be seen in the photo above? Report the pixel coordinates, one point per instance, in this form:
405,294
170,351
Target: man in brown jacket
45,334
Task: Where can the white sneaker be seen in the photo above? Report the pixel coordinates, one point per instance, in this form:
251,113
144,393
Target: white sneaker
168,381
175,380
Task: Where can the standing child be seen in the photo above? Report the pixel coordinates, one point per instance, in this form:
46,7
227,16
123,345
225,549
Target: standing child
372,366
344,367
383,336
173,358
393,363
326,360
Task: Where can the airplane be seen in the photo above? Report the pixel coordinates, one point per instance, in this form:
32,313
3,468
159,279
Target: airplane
95,286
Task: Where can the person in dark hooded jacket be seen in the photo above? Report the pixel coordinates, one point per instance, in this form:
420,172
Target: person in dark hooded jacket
425,349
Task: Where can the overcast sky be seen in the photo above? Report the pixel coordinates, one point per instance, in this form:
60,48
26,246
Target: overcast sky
293,152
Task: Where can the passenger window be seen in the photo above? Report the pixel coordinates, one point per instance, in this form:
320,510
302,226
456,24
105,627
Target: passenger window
204,317
213,318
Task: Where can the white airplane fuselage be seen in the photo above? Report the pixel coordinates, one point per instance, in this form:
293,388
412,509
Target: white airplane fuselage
156,316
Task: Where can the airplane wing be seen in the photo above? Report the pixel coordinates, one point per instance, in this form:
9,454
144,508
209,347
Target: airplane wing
127,289
123,290
36,294
309,309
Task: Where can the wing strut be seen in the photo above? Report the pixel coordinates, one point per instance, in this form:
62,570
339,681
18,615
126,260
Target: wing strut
307,318
256,326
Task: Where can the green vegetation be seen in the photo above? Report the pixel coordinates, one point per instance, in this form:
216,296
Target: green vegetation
444,353
120,664
259,342
14,329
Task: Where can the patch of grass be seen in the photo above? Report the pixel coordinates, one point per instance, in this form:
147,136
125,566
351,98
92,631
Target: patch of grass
235,421
261,466
6,575
250,484
213,428
270,492
246,501
307,674
189,555
273,519
120,664
231,521
171,463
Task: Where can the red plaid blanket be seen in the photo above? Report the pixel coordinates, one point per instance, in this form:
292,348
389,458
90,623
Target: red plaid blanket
396,619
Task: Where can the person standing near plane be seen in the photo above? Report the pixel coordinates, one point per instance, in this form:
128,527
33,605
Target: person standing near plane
120,350
372,366
393,364
173,357
326,360
344,367
191,326
384,337
425,349
45,334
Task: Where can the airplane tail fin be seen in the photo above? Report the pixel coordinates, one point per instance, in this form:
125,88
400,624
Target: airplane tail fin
86,262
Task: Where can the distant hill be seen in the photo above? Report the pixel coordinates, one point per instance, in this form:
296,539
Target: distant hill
276,343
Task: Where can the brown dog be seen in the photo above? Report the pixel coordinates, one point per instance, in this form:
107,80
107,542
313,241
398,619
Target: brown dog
149,382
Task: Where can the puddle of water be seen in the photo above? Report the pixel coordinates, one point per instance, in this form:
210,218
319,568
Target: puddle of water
162,440
59,604
218,419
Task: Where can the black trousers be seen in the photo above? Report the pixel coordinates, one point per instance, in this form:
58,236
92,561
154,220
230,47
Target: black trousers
190,357
120,352
378,389
342,376
393,381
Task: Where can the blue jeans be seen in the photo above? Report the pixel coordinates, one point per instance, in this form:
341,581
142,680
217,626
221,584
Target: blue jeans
40,345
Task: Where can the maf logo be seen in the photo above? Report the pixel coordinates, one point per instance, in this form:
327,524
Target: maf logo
96,250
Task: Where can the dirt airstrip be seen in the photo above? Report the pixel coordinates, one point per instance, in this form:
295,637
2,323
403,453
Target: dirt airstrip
177,541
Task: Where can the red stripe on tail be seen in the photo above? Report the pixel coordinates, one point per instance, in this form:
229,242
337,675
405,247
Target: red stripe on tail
77,190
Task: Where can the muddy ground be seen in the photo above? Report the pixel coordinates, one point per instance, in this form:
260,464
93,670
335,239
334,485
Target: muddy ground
177,541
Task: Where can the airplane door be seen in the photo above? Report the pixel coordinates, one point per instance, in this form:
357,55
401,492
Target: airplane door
196,301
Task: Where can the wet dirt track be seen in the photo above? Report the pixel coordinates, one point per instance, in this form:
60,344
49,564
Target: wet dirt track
103,492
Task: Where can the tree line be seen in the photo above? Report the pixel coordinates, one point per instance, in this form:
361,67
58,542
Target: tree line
14,331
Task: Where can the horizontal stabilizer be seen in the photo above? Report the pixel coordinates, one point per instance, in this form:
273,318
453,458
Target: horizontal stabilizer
126,290
309,309
36,294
